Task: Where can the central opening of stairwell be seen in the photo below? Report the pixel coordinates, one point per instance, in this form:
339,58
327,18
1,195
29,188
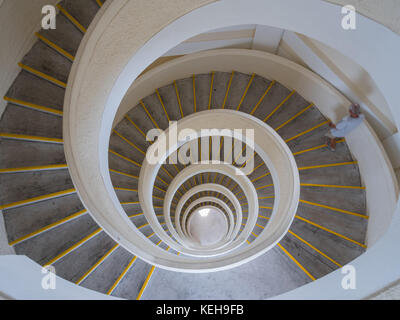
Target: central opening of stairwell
207,226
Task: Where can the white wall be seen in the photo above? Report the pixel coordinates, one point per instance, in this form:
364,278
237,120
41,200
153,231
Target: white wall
21,279
19,19
347,76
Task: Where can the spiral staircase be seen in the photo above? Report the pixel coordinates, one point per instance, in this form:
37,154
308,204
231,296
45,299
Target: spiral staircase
46,220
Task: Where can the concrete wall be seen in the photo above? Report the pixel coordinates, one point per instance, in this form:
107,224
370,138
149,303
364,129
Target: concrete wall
19,19
21,279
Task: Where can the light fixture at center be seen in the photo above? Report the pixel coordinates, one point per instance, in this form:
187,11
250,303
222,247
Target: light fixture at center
204,212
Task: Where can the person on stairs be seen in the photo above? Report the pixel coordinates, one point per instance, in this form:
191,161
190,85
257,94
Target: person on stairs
344,126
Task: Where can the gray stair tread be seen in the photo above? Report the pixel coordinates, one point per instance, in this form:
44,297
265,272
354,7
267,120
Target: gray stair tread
26,185
48,245
66,35
347,225
312,261
24,220
21,120
82,10
168,95
30,88
274,97
185,90
46,60
104,276
130,285
236,90
220,85
156,110
341,250
17,153
126,129
346,175
295,104
203,83
74,265
258,86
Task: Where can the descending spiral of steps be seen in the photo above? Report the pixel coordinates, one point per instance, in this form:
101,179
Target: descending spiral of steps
46,220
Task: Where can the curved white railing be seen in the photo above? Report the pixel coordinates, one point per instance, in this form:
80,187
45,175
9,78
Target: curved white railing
234,227
267,144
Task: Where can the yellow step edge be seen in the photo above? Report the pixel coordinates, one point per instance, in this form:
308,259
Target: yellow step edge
260,165
124,174
130,202
328,165
134,124
71,18
227,90
294,117
79,281
48,227
335,209
129,142
148,114
42,75
245,91
78,244
211,88
126,269
145,283
34,168
158,188
279,105
178,98
261,207
33,106
162,104
330,231
126,189
125,158
307,131
30,138
266,186
135,215
55,47
260,177
37,199
267,197
262,97
314,248
330,186
315,148
296,262
99,3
